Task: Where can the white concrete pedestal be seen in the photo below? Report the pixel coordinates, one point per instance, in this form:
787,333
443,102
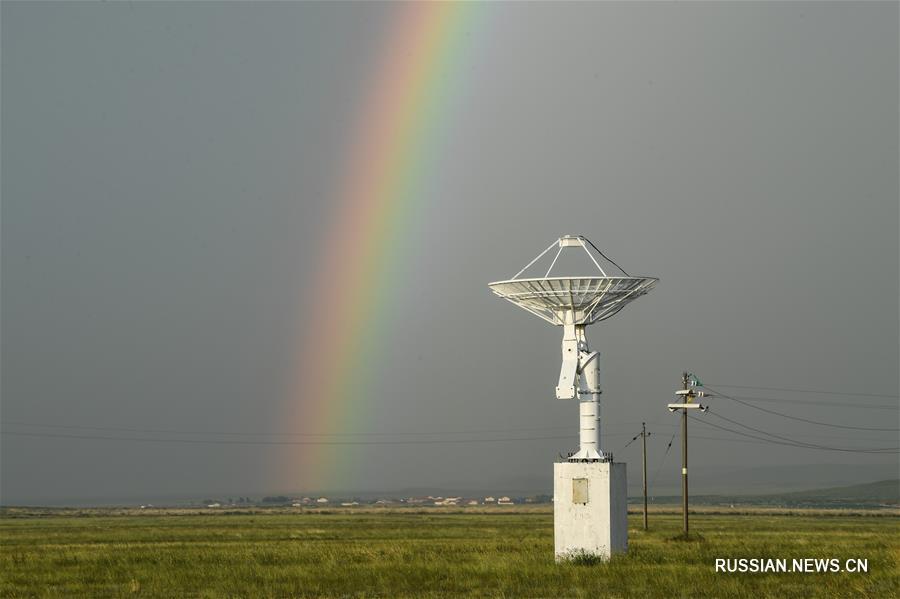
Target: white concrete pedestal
590,509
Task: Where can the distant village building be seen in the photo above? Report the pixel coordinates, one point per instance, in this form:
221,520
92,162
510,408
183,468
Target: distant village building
489,500
472,502
322,500
504,501
349,503
217,504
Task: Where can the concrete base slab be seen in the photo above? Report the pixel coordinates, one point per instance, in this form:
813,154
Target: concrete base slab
590,509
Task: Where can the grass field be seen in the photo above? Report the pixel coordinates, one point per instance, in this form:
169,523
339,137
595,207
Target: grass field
427,554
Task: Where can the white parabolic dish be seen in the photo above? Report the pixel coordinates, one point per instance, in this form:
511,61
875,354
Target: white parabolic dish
573,300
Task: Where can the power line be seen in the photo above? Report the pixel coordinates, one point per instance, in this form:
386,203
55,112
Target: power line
792,444
813,445
633,439
728,439
814,391
820,423
263,442
274,434
426,442
663,460
836,404
803,435
723,439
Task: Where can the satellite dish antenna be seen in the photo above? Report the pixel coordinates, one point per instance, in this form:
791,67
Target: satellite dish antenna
574,302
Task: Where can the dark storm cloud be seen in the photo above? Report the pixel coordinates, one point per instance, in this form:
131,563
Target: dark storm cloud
167,170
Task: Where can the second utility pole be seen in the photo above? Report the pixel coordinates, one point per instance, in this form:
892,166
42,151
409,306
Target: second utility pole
644,443
684,460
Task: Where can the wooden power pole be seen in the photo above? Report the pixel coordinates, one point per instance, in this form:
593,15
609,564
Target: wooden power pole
644,435
684,465
687,395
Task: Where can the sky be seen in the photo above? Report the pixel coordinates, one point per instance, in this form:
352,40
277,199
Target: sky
172,180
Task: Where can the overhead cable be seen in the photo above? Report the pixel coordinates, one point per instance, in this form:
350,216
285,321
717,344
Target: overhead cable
793,444
264,442
275,434
813,391
808,420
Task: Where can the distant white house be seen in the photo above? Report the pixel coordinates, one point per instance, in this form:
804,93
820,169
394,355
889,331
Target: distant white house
489,500
473,502
349,503
322,500
214,505
504,501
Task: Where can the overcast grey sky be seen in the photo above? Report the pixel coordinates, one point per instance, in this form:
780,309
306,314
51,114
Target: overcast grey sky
168,168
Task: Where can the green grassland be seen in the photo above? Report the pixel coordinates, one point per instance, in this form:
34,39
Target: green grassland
406,553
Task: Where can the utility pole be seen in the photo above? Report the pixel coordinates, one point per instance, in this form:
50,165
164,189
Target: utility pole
644,435
687,396
684,459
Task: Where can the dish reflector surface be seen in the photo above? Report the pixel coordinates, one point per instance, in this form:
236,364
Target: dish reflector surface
573,300
579,300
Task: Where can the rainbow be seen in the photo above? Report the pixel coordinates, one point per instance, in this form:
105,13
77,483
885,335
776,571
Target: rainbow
390,155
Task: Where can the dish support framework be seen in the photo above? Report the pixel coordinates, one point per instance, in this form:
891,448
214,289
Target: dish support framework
580,378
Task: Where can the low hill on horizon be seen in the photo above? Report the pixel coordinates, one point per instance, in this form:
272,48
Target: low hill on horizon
881,493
